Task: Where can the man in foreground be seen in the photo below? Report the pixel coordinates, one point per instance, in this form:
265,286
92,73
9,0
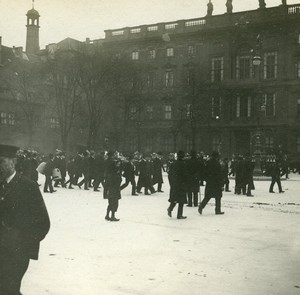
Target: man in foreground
24,222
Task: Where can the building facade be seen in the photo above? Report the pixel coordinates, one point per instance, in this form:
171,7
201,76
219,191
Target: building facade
225,82
228,82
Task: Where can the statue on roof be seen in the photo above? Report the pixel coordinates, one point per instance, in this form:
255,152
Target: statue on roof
283,2
210,8
229,6
262,3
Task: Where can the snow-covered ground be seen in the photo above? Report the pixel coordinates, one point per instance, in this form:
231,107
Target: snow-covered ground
253,249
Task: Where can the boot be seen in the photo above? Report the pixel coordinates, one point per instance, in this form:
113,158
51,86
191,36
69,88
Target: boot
113,218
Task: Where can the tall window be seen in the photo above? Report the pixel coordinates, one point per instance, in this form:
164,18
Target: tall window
170,51
132,113
167,143
191,50
298,144
7,118
149,112
190,76
216,107
298,106
243,107
188,144
217,69
270,65
216,143
188,111
152,54
169,78
135,55
269,142
270,104
298,69
243,67
150,80
168,112
54,123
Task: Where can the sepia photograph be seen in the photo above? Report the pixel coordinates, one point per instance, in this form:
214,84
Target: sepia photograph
150,147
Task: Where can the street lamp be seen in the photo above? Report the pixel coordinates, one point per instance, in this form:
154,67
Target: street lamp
258,135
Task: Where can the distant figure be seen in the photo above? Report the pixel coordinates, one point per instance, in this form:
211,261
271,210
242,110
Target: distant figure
210,8
178,182
112,182
275,174
229,6
214,183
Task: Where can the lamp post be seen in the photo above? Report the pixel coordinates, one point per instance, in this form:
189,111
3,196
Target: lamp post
258,136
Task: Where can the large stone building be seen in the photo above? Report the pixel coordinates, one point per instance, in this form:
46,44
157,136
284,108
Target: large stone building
228,82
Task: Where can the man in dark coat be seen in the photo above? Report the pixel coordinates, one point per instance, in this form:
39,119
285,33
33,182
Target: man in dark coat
248,183
275,174
193,179
112,181
178,182
214,183
24,222
99,171
145,176
239,175
85,170
129,174
157,167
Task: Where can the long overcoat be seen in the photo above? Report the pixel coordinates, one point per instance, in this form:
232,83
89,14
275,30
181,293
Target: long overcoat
214,179
178,182
113,179
144,174
157,167
24,220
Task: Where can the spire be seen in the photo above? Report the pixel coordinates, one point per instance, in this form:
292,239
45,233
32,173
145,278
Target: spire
32,4
210,8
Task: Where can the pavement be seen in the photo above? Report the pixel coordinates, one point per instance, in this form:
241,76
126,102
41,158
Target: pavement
253,249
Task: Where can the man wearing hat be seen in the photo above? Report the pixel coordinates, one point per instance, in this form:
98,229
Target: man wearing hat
178,181
214,183
24,222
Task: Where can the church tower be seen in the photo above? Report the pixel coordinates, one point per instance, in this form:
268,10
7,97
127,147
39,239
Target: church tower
32,37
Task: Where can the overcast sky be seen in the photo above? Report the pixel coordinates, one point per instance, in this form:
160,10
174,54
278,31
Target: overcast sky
79,19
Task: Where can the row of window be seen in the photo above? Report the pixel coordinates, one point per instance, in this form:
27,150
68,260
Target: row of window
244,108
8,118
244,70
243,64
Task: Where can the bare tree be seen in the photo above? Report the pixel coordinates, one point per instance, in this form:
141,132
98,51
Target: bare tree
64,91
24,80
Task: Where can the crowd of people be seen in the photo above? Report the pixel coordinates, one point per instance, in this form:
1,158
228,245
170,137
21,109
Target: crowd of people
187,172
24,220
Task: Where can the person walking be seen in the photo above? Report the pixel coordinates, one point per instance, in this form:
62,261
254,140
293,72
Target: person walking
214,183
275,172
157,168
24,222
178,183
129,174
48,175
112,181
193,173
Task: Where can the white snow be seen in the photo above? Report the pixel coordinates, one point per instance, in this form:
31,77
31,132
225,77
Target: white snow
253,249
